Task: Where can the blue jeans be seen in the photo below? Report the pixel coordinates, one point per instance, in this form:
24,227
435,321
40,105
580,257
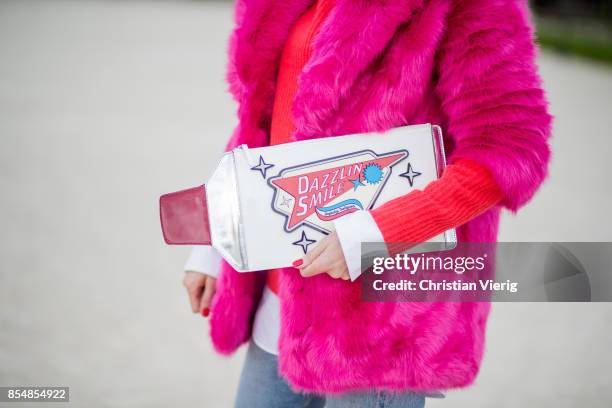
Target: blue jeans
261,387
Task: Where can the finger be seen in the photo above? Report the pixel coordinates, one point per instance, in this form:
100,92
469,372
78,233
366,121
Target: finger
342,271
343,274
337,273
209,291
315,267
310,257
336,268
195,293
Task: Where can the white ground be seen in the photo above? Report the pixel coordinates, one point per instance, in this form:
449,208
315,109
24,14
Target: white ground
106,105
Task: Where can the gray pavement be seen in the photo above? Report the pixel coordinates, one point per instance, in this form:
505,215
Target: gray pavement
105,105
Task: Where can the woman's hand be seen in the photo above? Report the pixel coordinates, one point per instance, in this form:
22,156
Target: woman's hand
200,289
327,257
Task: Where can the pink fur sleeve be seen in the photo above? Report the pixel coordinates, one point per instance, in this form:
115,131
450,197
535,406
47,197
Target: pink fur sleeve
491,92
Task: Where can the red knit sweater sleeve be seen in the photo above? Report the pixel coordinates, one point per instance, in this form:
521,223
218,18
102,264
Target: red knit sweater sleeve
465,190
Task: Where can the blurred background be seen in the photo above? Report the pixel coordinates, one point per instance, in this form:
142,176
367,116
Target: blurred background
105,105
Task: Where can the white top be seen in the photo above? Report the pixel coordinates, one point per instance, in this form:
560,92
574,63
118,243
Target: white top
352,230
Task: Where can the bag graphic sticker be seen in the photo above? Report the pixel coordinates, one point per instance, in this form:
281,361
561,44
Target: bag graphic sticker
316,193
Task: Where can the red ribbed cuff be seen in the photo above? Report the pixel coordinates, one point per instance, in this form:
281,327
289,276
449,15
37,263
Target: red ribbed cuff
465,190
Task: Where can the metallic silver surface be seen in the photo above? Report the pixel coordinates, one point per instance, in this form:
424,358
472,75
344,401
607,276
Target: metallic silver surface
440,155
224,212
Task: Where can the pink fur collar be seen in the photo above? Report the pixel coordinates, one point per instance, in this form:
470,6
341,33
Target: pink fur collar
257,43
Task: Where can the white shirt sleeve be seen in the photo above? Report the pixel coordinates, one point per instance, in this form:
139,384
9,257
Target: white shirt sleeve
204,259
352,230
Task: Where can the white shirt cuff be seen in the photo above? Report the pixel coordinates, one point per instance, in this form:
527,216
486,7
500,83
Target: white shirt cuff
204,259
352,230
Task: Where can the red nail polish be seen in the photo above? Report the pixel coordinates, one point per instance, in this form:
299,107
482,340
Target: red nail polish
205,312
297,263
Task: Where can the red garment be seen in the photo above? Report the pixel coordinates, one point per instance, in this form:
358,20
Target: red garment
295,55
465,190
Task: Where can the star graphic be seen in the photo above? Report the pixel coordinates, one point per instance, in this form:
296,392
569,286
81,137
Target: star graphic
286,201
262,167
356,183
304,242
410,174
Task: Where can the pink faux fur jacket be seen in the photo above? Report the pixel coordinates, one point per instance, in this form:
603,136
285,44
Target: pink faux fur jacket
467,65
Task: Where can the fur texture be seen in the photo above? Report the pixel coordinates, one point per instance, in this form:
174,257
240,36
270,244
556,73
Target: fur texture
467,65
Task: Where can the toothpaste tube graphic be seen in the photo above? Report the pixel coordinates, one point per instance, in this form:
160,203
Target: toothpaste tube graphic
264,207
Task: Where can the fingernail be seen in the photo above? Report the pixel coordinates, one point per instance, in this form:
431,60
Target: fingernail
297,263
205,312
